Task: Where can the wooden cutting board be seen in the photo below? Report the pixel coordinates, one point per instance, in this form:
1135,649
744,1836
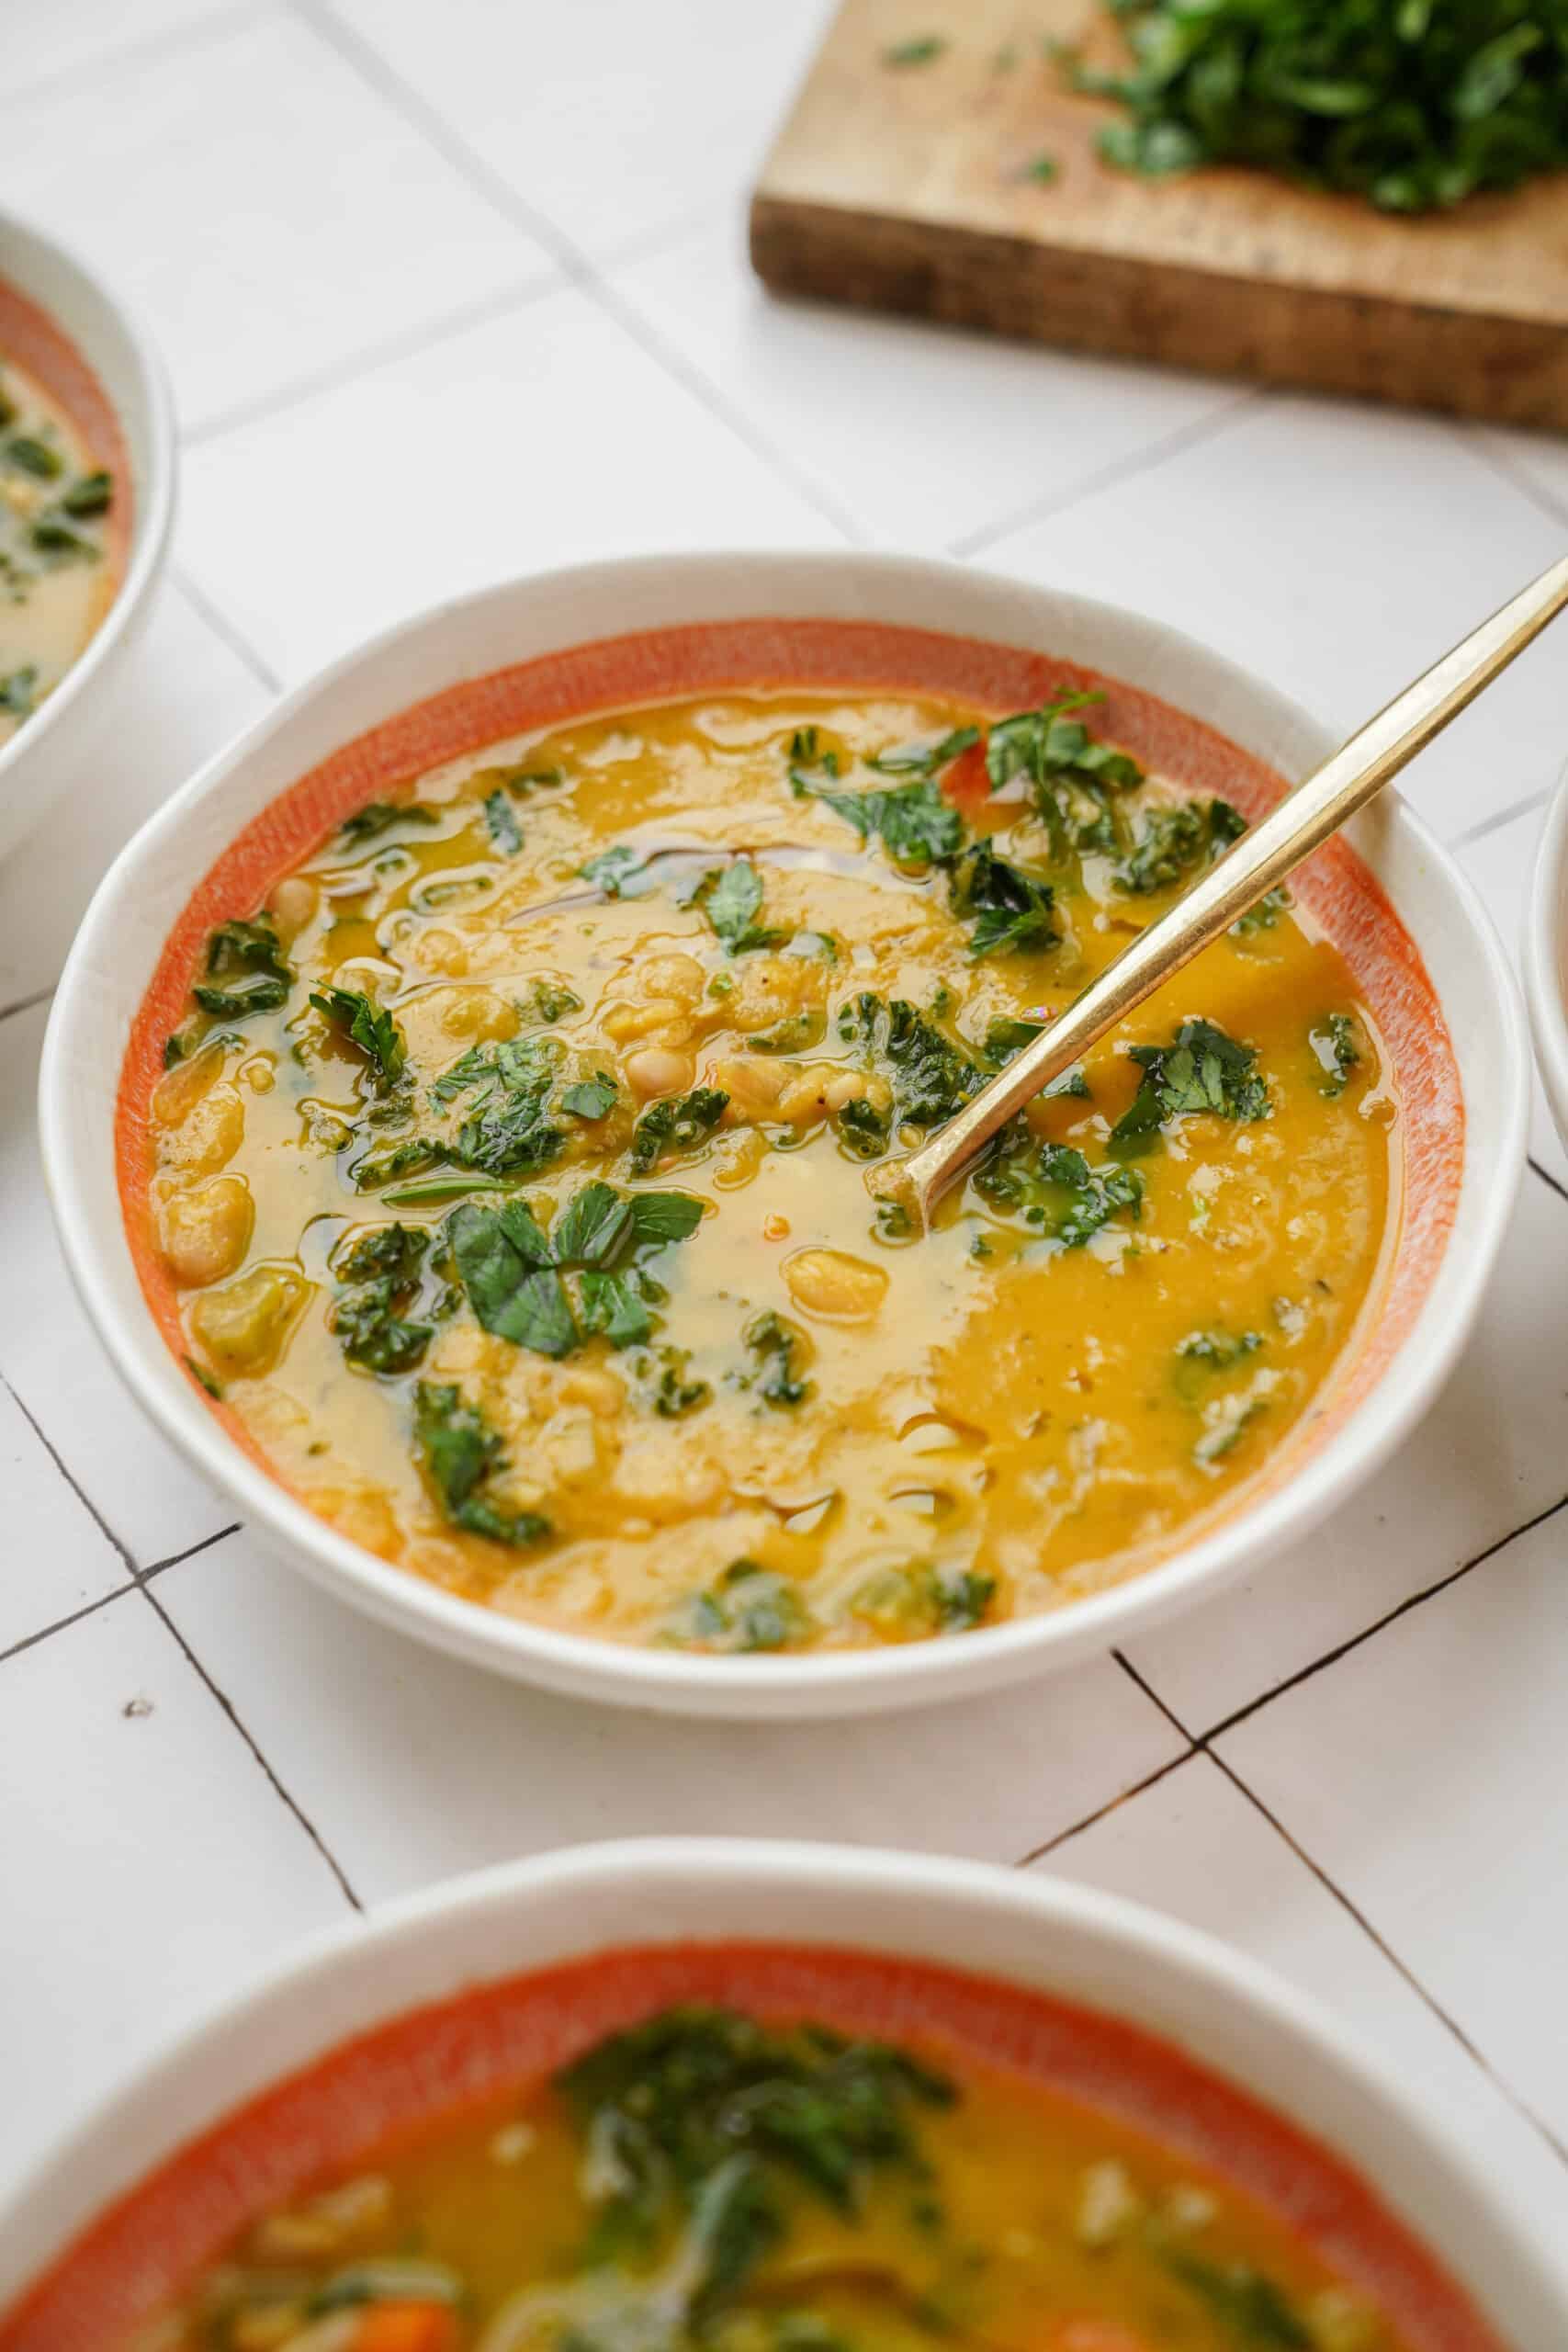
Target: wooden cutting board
907,188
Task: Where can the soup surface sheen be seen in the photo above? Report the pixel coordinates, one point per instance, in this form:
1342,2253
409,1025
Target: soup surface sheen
705,2180
524,1170
55,581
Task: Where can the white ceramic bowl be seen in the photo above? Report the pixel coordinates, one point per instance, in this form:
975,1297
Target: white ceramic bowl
124,930
42,754
1029,1930
1546,955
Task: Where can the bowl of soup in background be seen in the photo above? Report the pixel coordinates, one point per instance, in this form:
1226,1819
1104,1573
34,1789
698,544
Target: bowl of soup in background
72,357
465,1999
592,640
1546,955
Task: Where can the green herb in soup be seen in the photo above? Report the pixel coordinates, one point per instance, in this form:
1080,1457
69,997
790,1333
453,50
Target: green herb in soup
55,580
707,2182
524,1164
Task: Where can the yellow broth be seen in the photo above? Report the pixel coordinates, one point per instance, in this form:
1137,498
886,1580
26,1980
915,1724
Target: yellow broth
646,2203
822,1431
55,583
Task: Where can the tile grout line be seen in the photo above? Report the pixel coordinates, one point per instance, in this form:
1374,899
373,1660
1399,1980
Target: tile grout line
207,31
94,1513
1201,1746
90,1608
1502,464
1174,444
25,1004
1551,1182
374,355
1428,1999
1495,822
227,1705
1342,1649
580,269
1122,1796
218,621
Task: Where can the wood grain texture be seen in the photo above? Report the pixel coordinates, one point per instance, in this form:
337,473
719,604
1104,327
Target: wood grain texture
908,189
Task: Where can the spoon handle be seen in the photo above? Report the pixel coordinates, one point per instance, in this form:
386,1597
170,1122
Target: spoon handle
1257,863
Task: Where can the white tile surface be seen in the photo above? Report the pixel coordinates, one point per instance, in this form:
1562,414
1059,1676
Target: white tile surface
1502,866
414,1766
54,1561
327,219
149,1866
1337,550
316,226
1402,1770
69,38
182,696
654,115
1488,1456
927,437
1195,1846
554,439
50,1355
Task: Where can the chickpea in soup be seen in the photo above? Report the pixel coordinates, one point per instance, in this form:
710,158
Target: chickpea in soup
704,2182
523,1165
56,583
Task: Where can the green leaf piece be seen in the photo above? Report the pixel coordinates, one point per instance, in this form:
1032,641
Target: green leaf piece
364,1024
461,1452
1201,1069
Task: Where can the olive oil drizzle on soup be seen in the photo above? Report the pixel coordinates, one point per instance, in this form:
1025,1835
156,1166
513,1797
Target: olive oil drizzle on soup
705,2181
523,1169
55,583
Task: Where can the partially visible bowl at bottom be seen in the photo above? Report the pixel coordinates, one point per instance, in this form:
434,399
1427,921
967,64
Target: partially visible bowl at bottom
436,2003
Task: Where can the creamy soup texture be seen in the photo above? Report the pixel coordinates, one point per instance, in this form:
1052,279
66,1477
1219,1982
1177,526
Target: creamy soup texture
523,1165
707,2180
56,583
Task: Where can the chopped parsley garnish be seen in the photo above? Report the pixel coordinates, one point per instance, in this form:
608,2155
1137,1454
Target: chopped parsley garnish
88,494
930,1075
1010,909
1413,105
501,821
748,1608
1201,1069
461,1454
513,1271
774,1344
1005,1037
1253,2311
204,1379
1042,169
712,2114
914,824
379,1274
1170,842
29,454
910,1603
18,691
509,1130
379,817
678,1122
246,971
924,759
675,1393
591,1098
1201,1356
1072,777
621,871
1055,1189
364,1024
732,900
1336,1052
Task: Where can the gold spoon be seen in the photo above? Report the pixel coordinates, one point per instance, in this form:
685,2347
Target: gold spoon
1259,861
